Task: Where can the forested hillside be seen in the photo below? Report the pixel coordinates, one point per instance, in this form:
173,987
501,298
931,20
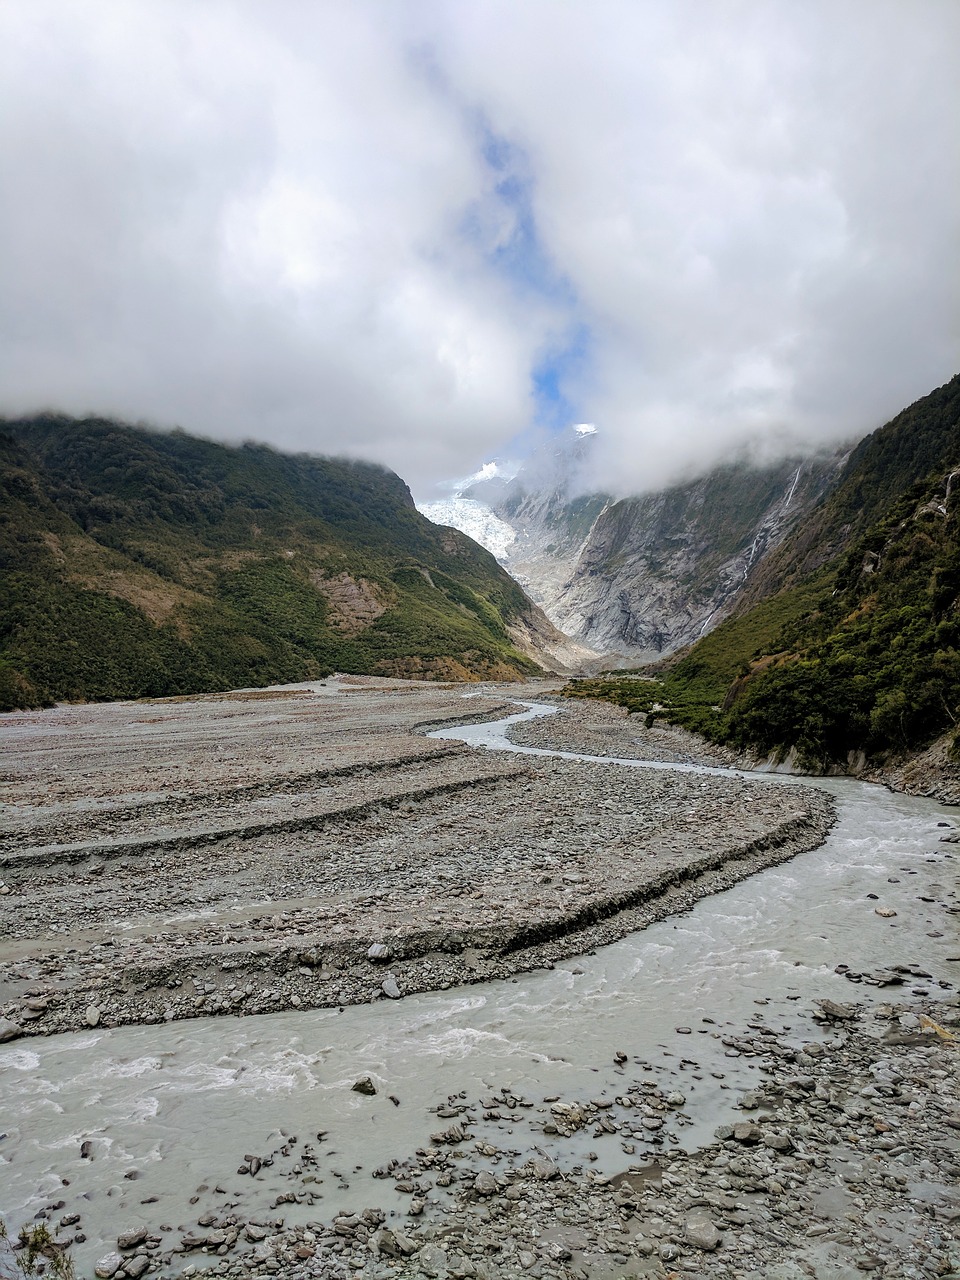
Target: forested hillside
140,563
859,651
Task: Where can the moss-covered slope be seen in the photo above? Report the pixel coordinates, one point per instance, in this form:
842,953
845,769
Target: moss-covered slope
858,651
138,563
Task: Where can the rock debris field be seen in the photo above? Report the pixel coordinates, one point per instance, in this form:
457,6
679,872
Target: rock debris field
294,849
311,847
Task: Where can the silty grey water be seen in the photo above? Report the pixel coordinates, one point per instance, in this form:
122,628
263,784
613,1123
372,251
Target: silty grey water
172,1108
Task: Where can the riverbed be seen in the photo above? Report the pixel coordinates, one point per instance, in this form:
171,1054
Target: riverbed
148,1125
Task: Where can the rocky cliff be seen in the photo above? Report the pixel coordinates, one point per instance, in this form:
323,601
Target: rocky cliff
656,572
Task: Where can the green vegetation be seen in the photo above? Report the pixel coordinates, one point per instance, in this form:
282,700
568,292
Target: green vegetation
693,692
861,654
141,564
37,1253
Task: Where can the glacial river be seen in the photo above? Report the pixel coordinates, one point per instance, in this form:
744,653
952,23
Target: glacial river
170,1109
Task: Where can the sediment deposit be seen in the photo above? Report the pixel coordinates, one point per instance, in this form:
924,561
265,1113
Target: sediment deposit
312,847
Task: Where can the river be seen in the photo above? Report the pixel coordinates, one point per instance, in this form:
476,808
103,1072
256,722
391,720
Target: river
172,1108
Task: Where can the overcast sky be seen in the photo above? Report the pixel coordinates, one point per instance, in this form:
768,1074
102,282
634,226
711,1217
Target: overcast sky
412,231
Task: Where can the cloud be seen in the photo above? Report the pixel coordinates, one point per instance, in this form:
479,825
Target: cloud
410,233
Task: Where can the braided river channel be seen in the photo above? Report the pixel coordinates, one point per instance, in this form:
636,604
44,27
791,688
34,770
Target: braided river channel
141,1124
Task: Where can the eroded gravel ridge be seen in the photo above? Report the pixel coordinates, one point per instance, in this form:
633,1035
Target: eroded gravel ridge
594,728
248,854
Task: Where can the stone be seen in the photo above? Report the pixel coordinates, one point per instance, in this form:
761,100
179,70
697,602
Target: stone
747,1133
378,953
405,1244
432,1260
136,1266
838,1012
485,1184
778,1141
92,1015
9,1030
389,987
701,1232
365,1086
886,912
132,1239
108,1266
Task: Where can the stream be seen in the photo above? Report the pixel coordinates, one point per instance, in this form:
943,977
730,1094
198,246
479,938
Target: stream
168,1111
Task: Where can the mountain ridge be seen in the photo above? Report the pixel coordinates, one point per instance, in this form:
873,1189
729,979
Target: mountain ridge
146,563
844,653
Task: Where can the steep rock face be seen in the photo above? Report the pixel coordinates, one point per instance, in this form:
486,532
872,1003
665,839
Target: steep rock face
658,571
551,532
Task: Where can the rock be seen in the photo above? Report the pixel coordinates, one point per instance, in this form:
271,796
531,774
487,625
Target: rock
405,1244
389,987
92,1015
432,1260
9,1030
886,912
132,1239
378,953
365,1086
108,1266
701,1231
485,1184
456,1133
837,1012
545,1169
747,1133
778,1141
136,1266
254,1233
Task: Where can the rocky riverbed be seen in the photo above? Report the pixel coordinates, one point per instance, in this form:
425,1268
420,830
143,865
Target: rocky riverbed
843,1160
310,848
818,1136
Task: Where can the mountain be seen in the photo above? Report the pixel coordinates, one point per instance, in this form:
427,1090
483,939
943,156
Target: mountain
844,652
656,572
646,575
141,563
534,516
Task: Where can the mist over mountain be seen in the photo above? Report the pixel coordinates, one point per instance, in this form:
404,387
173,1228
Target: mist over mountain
412,232
638,576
